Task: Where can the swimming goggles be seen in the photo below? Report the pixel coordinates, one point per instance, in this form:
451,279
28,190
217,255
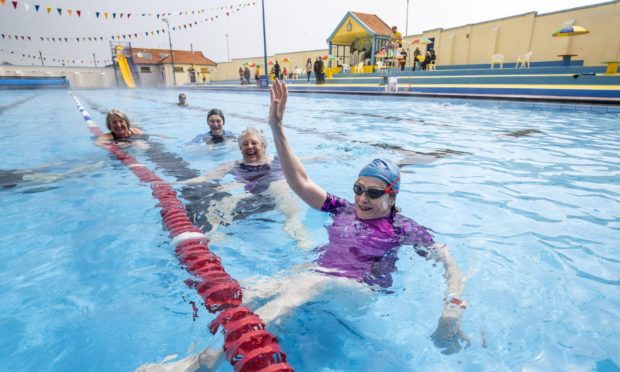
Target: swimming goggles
374,193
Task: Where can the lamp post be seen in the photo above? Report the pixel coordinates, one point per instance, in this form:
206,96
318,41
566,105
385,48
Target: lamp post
174,78
264,42
407,20
227,50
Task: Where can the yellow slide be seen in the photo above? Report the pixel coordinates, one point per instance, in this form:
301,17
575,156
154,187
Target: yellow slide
124,67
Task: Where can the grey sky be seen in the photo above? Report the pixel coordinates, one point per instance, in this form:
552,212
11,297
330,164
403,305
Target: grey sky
292,25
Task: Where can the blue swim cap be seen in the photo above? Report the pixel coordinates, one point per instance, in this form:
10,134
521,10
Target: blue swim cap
384,170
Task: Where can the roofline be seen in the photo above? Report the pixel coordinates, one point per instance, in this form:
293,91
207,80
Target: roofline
582,7
349,13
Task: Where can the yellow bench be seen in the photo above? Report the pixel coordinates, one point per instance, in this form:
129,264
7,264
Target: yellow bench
612,67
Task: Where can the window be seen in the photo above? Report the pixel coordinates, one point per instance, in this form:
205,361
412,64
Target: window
204,70
178,69
146,69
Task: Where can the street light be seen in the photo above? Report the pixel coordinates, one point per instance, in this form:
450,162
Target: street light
407,20
174,78
227,49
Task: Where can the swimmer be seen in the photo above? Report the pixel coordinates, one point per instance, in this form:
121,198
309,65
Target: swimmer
260,176
120,128
10,178
216,133
182,100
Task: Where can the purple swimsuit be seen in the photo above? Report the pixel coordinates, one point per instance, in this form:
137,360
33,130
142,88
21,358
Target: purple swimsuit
258,178
365,250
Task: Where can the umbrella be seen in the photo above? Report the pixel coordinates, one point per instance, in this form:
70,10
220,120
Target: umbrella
421,40
271,62
381,54
571,31
252,64
286,59
328,57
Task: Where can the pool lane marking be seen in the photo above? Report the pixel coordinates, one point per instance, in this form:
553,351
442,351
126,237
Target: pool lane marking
15,104
244,332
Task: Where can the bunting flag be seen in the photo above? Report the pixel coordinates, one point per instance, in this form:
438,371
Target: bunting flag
116,37
70,12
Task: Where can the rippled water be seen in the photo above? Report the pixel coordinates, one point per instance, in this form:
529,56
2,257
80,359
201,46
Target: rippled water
527,198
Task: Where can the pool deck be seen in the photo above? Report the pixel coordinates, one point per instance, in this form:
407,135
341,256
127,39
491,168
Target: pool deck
562,84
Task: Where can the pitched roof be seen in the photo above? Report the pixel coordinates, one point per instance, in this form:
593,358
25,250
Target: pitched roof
148,56
374,23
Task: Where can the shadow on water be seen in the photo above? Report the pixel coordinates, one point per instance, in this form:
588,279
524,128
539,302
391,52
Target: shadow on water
524,133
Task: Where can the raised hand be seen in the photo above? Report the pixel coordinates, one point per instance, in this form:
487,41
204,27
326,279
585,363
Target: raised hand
278,94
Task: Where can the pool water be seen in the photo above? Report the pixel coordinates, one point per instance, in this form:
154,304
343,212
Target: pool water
527,199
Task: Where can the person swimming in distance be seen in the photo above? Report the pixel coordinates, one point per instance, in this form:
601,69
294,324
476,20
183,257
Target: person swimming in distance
216,134
182,100
260,176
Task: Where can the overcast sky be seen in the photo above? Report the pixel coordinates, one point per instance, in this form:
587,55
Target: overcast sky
292,25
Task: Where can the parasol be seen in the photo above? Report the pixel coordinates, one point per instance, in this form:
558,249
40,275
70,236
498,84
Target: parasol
570,31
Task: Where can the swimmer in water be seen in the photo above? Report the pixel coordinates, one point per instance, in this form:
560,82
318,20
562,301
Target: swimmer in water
182,100
260,176
216,134
120,127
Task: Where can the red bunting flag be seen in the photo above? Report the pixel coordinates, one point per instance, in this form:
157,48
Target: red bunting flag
15,4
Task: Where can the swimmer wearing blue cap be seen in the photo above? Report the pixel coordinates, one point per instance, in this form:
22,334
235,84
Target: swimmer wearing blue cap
365,234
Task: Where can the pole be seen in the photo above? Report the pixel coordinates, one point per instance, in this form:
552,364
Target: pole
174,78
41,56
407,20
95,59
227,50
264,41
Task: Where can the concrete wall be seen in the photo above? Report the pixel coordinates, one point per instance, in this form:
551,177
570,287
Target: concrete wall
517,35
78,77
230,70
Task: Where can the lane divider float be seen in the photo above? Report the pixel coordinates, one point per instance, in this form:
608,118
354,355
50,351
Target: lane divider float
248,345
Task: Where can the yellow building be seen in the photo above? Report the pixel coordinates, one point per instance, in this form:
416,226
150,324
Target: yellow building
518,35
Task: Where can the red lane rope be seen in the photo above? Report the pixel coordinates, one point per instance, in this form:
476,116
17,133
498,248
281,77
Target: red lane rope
249,346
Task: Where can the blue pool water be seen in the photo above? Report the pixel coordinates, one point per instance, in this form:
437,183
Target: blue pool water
526,197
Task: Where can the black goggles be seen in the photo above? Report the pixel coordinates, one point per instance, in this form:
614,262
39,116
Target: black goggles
374,193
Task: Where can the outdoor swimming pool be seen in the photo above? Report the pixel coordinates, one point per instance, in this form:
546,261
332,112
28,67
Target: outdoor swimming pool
527,199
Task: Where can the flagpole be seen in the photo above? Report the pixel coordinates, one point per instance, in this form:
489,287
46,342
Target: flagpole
265,43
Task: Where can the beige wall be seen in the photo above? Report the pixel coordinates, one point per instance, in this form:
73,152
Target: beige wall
230,70
517,35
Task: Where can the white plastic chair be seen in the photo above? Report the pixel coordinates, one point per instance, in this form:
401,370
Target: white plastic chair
523,61
346,68
499,59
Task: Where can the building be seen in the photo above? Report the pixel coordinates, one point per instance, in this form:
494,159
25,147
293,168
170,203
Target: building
155,67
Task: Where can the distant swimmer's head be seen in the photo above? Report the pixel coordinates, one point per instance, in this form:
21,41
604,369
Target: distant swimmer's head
216,121
118,124
253,144
182,100
376,188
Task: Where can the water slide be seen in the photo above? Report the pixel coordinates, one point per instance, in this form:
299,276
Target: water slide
124,67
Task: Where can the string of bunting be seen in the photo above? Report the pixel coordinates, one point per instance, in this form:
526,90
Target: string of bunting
76,60
104,15
128,36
